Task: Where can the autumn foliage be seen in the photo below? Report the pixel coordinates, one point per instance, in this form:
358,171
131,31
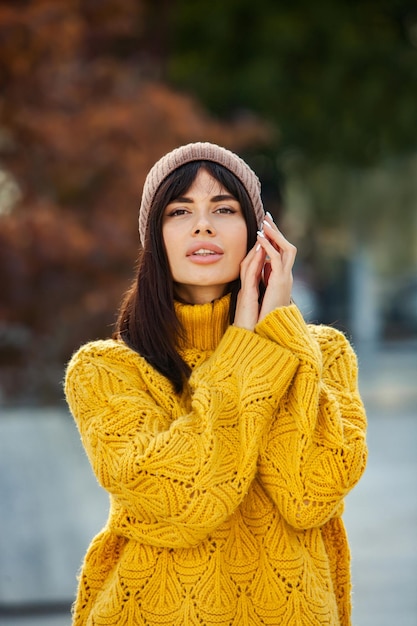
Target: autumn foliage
84,113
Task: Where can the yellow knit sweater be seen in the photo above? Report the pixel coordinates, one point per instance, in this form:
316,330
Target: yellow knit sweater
226,499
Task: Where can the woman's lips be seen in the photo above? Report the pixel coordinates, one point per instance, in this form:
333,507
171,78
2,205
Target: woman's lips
204,253
198,246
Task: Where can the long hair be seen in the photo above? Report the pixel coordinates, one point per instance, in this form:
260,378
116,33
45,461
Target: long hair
147,322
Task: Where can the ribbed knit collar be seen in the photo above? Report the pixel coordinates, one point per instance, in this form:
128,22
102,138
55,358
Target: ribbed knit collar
204,324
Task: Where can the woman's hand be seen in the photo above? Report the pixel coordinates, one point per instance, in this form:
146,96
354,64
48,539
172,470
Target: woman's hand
270,260
279,261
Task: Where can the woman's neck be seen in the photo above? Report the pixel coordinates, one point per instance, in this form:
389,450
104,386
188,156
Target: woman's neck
199,294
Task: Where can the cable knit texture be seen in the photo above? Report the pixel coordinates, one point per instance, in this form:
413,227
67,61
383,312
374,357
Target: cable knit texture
226,499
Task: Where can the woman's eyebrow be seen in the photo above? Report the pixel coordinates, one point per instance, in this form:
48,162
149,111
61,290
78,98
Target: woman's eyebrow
182,199
218,198
224,196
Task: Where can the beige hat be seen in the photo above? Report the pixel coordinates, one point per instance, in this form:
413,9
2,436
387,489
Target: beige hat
196,152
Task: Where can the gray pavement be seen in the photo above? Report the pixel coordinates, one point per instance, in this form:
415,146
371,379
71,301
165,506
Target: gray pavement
381,518
51,505
51,508
381,512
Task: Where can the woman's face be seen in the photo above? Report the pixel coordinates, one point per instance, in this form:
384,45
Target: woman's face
205,237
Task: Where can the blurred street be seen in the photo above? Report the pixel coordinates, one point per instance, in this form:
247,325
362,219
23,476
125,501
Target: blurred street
381,512
52,506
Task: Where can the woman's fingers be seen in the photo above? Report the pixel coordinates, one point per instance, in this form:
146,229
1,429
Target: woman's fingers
278,270
278,241
251,267
279,251
271,260
247,306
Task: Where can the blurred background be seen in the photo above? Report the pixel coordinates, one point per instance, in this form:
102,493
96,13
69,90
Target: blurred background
321,99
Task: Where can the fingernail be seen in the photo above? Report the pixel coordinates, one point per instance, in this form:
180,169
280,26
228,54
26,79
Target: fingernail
260,233
270,216
265,223
258,247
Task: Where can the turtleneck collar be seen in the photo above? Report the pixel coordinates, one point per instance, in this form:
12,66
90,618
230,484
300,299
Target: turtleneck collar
204,324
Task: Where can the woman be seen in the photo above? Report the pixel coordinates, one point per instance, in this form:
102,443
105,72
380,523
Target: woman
226,430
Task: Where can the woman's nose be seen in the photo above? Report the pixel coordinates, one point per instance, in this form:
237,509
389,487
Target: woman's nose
204,226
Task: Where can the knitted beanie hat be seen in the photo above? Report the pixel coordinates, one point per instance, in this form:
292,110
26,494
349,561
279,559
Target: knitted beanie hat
198,152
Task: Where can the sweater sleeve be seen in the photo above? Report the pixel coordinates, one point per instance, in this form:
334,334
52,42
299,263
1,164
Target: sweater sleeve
176,467
315,451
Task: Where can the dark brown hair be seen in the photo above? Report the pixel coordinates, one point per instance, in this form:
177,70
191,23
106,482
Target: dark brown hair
147,322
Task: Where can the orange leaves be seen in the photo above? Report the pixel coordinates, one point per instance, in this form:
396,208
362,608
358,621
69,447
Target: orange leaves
86,118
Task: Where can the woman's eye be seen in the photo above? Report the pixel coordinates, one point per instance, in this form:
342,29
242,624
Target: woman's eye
225,209
176,212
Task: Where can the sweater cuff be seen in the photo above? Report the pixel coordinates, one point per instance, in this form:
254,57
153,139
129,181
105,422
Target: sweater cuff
283,324
287,327
252,357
